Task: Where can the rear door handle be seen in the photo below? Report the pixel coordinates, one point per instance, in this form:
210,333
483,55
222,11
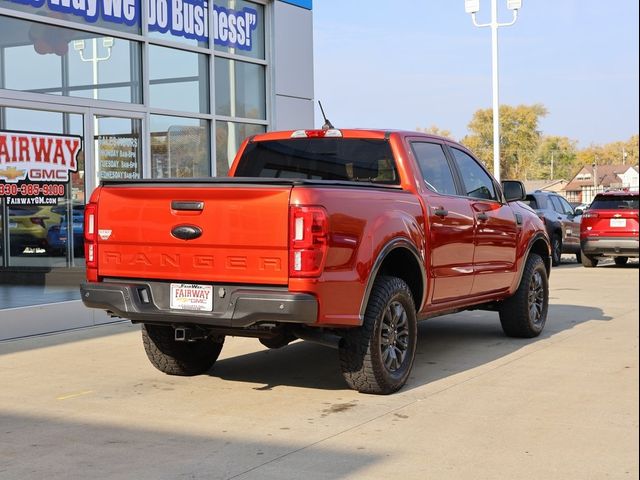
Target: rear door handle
440,212
483,217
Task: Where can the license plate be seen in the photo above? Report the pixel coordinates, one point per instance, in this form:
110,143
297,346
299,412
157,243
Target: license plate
618,222
186,296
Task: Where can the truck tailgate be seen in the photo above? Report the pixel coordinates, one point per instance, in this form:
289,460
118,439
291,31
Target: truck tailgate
243,239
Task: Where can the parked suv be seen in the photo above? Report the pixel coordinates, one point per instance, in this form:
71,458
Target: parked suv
561,221
610,228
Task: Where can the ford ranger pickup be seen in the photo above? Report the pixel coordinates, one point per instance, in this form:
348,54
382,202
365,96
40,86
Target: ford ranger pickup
346,238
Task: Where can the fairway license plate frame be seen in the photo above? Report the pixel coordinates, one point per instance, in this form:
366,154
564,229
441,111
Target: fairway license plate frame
618,222
192,297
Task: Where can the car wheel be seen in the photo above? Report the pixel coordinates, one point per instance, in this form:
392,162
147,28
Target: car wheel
556,250
377,357
588,261
621,261
185,358
525,313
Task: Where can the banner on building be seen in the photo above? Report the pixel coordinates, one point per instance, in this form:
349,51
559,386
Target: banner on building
183,18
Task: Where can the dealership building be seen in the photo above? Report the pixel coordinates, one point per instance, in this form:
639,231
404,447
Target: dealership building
125,89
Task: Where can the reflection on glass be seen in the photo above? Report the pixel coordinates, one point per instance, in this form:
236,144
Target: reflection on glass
250,43
37,224
118,148
179,80
180,147
240,89
60,61
229,137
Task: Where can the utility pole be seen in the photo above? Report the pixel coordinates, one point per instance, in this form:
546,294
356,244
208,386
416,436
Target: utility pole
472,7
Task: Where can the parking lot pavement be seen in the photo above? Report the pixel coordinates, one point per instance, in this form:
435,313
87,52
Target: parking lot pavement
87,404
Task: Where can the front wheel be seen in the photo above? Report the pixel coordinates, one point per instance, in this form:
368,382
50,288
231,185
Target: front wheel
377,357
182,358
556,250
525,313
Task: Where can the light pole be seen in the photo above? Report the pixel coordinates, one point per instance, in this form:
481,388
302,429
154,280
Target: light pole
472,7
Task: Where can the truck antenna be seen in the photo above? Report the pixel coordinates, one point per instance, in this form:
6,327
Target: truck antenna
327,124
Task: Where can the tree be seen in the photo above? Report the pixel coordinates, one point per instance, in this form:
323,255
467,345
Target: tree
556,158
519,138
613,153
435,130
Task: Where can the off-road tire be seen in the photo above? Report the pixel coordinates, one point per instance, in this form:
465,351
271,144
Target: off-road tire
620,261
389,331
525,313
588,261
179,358
556,250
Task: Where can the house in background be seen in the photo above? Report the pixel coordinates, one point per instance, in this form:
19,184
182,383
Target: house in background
591,180
556,186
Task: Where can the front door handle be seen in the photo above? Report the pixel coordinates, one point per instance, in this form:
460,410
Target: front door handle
440,212
483,217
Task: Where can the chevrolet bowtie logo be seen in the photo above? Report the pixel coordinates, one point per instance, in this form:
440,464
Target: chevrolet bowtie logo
12,173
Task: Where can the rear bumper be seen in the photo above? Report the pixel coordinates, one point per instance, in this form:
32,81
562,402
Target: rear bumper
233,306
611,246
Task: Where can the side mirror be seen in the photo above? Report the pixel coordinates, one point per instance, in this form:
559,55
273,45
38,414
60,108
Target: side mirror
514,190
578,211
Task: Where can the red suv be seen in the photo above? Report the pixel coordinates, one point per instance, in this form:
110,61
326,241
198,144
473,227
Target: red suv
609,228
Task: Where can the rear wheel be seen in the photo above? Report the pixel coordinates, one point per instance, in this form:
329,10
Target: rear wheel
588,261
556,250
377,357
621,261
525,313
184,358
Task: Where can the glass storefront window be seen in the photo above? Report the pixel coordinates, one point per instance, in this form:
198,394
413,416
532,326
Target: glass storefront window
46,59
178,80
118,147
240,89
250,41
180,147
229,137
36,211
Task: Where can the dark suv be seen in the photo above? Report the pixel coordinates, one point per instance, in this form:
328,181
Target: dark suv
561,221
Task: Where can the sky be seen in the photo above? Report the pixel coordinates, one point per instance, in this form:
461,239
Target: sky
406,64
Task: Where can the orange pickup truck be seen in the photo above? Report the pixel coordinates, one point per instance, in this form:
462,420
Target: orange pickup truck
342,237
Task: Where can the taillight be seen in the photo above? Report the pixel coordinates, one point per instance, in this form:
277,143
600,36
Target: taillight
91,239
308,240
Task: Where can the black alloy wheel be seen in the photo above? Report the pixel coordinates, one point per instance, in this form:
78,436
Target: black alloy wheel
556,250
394,336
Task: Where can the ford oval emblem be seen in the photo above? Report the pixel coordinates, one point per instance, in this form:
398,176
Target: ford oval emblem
186,232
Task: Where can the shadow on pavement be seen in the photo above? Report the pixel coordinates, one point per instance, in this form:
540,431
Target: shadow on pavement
39,447
446,346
